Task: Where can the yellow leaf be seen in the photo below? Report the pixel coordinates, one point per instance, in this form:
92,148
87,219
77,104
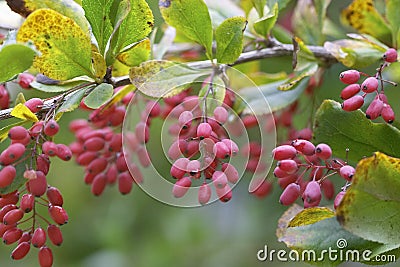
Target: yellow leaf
120,94
23,112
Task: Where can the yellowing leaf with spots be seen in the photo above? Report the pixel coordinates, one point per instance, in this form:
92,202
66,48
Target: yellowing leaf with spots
23,112
99,65
137,54
364,17
65,49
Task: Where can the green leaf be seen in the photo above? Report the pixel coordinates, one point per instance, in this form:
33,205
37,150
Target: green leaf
191,17
229,37
64,47
134,26
14,59
306,25
352,130
307,71
137,54
264,25
160,78
99,95
67,8
354,53
97,12
321,7
259,6
281,3
215,95
20,99
370,208
363,16
313,240
4,131
392,16
254,98
72,101
54,88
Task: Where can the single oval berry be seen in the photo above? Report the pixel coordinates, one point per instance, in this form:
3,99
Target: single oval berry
204,130
288,165
290,194
390,55
284,152
177,148
7,175
55,235
370,85
18,133
21,251
11,154
51,128
64,152
97,166
323,151
5,209
349,76
304,146
27,202
204,194
353,103
58,214
49,148
338,199
232,146
179,168
350,91
328,188
185,119
38,237
25,79
43,163
99,184
45,257
13,216
387,113
193,167
312,194
115,144
12,235
94,144
38,186
224,194
142,132
220,180
347,172
374,109
54,196
181,187
144,157
220,115
230,172
221,150
34,104
125,183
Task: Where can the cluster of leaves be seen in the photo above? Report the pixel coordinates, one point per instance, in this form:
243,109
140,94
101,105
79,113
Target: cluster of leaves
81,49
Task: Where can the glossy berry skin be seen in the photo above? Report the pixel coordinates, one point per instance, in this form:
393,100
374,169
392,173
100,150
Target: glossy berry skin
374,109
232,146
204,194
338,199
185,119
5,209
347,172
224,194
58,214
12,235
45,257
7,175
54,196
204,130
220,180
49,148
312,194
349,76
220,115
51,128
94,144
181,187
17,133
350,91
38,186
38,237
34,104
64,152
24,80
27,202
370,85
13,216
54,234
304,146
390,55
290,194
288,165
323,151
99,184
11,154
125,183
284,152
387,113
221,150
353,103
231,173
20,251
179,168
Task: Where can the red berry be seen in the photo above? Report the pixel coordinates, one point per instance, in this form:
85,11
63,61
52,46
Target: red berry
142,132
51,128
230,172
387,113
204,194
54,234
177,148
288,165
112,174
7,175
26,237
338,199
349,76
86,157
232,146
115,144
25,79
185,119
220,180
38,237
179,168
13,153
370,85
328,188
13,216
21,251
38,186
125,182
5,210
224,194
374,109
4,228
323,151
10,198
45,257
49,148
64,152
305,134
54,196
12,235
290,194
353,103
390,55
347,172
304,146
350,91
284,152
181,187
43,163
99,184
117,117
97,166
193,168
312,194
18,133
221,150
204,130
144,157
34,104
58,214
94,144
220,115
27,202
260,188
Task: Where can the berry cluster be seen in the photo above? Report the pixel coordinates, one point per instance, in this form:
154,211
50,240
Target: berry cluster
98,147
300,157
379,106
25,190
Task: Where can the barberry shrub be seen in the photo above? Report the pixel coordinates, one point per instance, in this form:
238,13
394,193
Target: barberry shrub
186,122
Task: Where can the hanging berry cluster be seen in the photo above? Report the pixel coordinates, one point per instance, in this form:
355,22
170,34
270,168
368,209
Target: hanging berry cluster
379,106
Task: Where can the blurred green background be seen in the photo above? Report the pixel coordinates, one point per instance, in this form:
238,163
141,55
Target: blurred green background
136,230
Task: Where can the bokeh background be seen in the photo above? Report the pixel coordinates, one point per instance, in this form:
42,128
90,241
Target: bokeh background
136,230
